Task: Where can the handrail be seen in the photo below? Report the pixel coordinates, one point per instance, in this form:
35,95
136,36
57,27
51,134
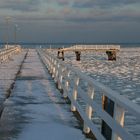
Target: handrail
63,73
92,48
6,53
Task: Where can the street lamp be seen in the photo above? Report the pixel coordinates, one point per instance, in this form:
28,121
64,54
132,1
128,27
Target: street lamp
16,28
7,24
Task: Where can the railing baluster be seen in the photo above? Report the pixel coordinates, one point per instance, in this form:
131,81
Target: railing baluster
108,106
119,113
60,77
89,108
51,68
65,94
54,69
74,94
56,72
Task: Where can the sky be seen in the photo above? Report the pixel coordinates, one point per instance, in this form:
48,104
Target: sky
87,21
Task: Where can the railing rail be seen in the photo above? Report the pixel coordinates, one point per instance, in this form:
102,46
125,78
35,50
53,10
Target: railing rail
67,77
6,53
92,48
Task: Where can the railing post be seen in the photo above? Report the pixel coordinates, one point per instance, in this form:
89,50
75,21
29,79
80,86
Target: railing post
5,56
56,72
51,69
108,106
89,109
74,95
65,95
60,77
54,69
49,64
119,113
0,56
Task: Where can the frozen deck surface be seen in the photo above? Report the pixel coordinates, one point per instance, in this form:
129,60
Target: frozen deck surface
36,110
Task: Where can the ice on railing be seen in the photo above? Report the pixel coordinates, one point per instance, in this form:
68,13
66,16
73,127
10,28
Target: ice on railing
8,51
92,47
96,46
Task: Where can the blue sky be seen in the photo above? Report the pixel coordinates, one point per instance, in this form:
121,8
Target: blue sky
71,20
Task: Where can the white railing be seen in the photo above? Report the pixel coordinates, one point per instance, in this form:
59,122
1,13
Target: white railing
92,47
6,53
68,80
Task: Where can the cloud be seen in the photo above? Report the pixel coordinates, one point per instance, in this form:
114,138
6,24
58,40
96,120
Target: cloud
20,5
71,15
72,11
63,2
102,3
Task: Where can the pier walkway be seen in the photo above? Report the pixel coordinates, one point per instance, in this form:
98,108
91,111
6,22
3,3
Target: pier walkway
35,109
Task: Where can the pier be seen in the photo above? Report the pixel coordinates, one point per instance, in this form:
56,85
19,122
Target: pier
110,50
41,95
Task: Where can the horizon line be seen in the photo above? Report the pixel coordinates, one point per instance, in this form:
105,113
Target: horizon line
57,43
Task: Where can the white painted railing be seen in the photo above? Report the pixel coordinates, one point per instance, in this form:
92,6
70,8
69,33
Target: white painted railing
6,53
68,80
92,47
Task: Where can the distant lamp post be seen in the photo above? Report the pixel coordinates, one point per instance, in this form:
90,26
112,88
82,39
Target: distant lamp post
7,24
16,28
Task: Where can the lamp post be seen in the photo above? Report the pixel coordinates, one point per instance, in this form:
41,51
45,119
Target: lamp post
7,24
16,26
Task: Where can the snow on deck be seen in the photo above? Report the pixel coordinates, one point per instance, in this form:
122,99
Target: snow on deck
36,109
8,71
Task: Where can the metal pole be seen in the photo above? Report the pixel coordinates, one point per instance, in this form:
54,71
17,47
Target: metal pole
7,24
16,34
